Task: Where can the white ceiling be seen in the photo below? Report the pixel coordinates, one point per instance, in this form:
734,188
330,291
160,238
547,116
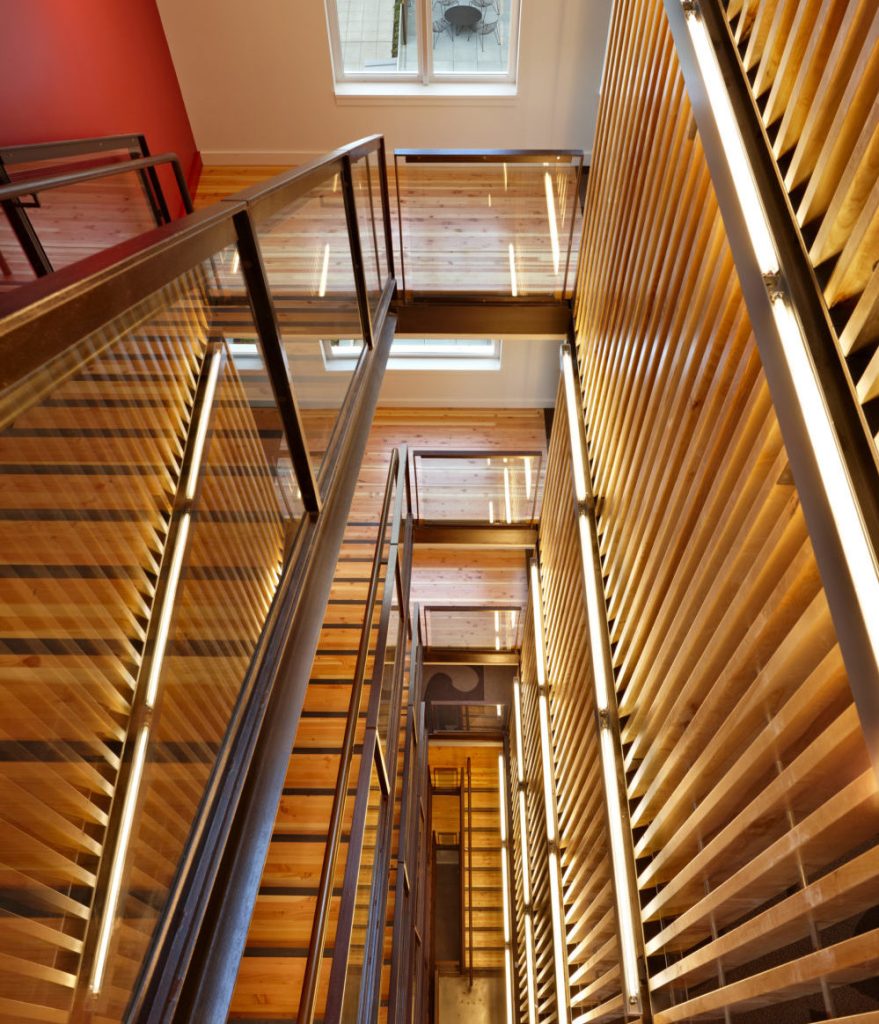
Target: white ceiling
257,82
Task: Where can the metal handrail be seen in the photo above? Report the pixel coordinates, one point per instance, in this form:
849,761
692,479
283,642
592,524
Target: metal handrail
372,756
470,864
31,186
134,145
38,319
406,937
337,813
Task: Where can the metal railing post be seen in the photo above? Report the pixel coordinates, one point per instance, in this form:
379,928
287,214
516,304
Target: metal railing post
347,179
271,342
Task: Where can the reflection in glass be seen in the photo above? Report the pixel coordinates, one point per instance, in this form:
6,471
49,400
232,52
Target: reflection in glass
476,627
489,487
377,37
510,228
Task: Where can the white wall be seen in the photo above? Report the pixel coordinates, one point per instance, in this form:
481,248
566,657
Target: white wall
257,81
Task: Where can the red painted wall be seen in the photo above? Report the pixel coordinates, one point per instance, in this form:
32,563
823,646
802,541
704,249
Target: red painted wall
76,68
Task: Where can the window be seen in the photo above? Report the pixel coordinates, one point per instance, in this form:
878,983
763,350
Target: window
419,42
420,354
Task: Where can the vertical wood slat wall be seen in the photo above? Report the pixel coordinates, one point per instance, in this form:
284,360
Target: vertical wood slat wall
813,66
592,943
755,810
538,862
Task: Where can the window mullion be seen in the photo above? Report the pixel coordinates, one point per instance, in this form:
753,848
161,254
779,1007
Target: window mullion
425,39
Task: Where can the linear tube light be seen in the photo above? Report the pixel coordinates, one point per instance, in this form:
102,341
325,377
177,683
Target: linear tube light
553,222
167,610
529,968
505,877
203,423
558,937
114,884
538,625
324,271
508,504
520,749
514,283
733,145
502,797
602,673
573,406
555,885
508,973
528,479
523,829
620,866
859,557
546,757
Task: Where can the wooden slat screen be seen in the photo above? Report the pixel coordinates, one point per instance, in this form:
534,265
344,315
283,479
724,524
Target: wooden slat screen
754,807
593,948
538,861
814,72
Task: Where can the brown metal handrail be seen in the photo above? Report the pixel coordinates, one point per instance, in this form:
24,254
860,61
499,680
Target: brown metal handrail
379,754
98,147
470,866
32,186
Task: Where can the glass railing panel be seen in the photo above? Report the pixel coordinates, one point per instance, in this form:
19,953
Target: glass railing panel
371,232
503,224
373,161
89,473
480,487
481,628
228,579
307,257
15,269
98,452
388,676
78,220
466,716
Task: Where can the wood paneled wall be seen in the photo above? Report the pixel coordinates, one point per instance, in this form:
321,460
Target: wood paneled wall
754,807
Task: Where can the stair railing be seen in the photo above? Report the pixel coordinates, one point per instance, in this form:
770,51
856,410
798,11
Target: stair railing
378,762
470,870
101,148
51,330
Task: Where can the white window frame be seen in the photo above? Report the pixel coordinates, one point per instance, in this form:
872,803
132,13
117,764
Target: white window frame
424,80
